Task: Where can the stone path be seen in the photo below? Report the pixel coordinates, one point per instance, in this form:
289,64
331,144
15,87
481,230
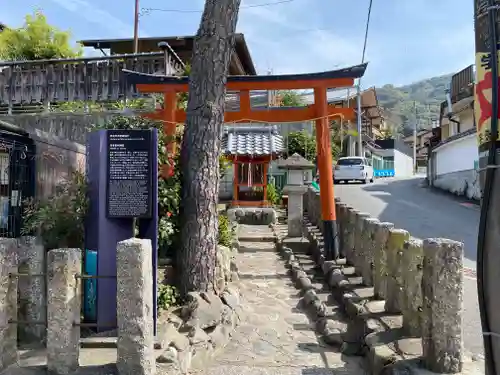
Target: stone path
275,336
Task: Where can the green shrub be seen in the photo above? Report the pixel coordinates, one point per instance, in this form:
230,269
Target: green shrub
168,296
225,235
59,219
272,194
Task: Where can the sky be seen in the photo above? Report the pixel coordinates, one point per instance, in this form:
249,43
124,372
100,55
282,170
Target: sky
408,40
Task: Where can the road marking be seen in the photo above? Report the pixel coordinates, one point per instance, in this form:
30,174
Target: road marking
411,204
470,273
470,205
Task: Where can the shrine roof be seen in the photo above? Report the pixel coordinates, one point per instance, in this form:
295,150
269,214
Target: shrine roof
252,140
352,72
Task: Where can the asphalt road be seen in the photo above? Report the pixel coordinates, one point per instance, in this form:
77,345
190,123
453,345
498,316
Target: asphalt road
427,213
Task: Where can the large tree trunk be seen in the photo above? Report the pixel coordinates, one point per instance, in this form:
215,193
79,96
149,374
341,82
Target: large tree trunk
200,151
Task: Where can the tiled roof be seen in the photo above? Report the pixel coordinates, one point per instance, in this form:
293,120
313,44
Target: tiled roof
252,140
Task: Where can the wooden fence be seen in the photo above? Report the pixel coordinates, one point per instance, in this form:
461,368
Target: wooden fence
83,79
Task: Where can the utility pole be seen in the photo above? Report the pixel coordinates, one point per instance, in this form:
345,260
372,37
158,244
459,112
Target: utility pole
136,27
360,136
415,139
488,256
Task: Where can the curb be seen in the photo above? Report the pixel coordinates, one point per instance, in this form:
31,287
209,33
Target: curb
325,327
366,335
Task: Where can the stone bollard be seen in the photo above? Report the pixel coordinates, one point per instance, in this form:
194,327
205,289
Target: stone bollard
442,294
310,206
63,310
394,300
359,234
382,231
341,219
32,290
305,201
135,307
351,235
368,251
8,302
339,227
412,287
317,209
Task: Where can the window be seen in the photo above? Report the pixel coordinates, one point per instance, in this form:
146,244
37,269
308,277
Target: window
254,171
350,161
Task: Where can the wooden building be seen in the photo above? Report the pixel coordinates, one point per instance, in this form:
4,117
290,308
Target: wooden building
182,46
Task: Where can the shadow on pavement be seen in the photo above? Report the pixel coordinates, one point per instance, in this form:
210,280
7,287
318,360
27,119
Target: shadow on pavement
426,213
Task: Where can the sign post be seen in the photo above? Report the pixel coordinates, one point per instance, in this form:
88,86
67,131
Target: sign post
122,173
129,188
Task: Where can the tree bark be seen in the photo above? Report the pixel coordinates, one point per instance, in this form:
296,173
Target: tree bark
213,46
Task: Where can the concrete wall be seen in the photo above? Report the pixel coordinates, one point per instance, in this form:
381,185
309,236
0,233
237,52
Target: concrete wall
403,164
60,143
454,166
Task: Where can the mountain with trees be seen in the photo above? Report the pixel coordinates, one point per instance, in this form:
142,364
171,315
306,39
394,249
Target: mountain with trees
418,102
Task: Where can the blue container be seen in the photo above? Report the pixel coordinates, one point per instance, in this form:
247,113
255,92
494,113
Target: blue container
90,287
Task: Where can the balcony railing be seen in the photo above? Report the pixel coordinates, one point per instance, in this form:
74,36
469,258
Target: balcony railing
462,84
82,79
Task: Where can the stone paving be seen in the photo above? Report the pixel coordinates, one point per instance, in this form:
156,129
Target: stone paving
275,336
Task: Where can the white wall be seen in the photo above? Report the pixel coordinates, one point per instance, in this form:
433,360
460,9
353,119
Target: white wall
454,167
456,156
385,153
403,164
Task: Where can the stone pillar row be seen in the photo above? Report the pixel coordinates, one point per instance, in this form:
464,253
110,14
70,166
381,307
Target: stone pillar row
135,342
421,280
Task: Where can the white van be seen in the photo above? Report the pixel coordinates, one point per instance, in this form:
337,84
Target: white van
353,168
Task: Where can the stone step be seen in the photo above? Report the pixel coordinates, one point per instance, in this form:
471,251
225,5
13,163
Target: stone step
256,238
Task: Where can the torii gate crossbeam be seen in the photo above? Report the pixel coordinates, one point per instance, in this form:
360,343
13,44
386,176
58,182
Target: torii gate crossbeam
320,112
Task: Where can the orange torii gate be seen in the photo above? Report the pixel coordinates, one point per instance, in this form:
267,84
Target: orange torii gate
320,111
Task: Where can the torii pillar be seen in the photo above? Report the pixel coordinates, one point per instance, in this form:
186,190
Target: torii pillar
325,167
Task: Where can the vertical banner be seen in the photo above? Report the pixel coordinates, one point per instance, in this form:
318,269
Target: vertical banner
482,93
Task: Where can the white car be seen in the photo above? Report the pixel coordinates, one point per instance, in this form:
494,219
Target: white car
353,168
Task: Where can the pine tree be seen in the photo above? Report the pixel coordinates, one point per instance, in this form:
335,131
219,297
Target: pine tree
200,152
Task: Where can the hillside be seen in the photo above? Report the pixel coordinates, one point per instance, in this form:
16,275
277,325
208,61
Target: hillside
399,103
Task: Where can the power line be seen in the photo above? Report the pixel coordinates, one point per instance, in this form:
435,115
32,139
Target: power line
366,31
359,120
145,11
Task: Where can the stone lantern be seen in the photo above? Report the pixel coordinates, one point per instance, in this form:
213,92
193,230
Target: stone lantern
295,188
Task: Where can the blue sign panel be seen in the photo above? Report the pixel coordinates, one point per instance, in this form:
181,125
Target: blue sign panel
384,173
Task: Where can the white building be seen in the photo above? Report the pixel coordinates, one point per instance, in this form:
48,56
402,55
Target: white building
453,159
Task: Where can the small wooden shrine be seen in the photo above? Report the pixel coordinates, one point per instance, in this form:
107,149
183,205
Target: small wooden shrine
251,149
